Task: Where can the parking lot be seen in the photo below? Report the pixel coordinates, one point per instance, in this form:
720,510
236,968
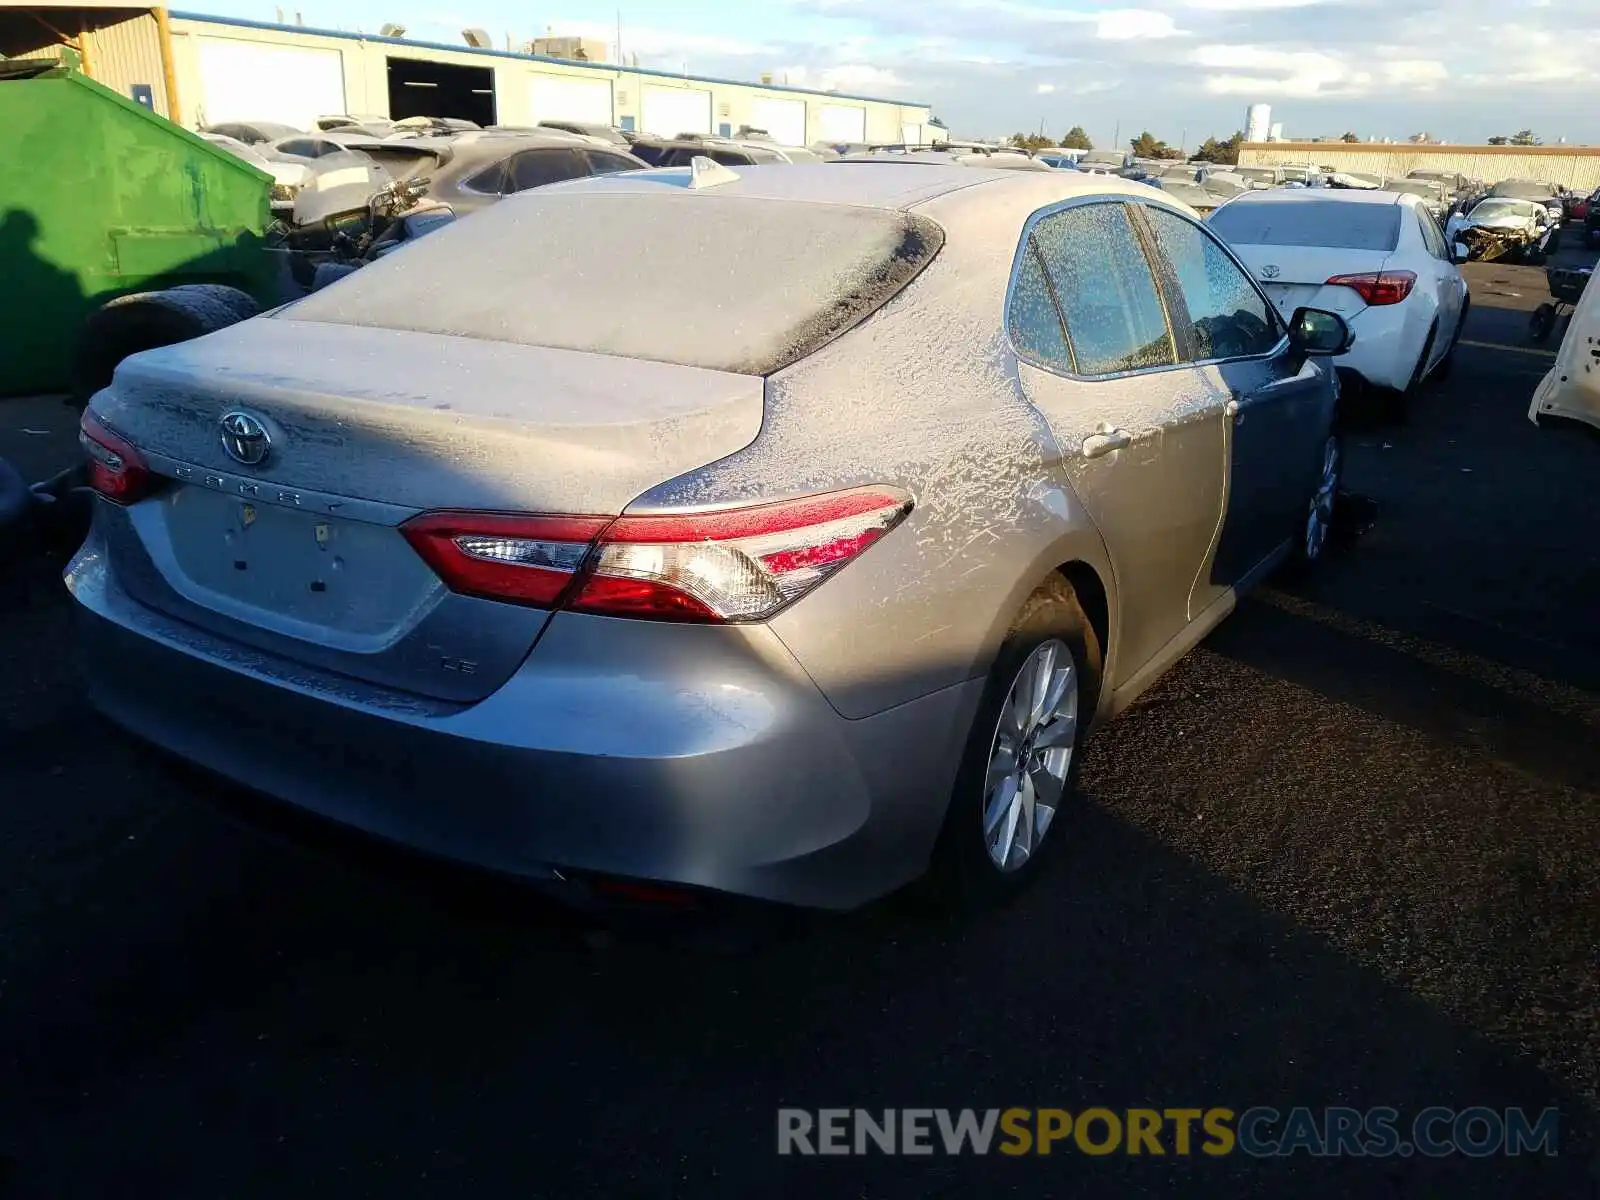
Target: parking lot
1343,854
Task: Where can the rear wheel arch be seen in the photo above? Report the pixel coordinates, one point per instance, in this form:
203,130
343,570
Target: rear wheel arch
1095,601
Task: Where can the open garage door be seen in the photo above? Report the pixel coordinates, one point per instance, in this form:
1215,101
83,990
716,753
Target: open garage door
669,111
258,81
839,123
785,120
435,89
563,98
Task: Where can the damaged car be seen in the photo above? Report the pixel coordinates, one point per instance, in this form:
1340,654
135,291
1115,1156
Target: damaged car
1503,228
1570,390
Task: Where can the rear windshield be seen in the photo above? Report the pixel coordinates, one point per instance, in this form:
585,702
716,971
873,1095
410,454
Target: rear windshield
1310,223
1257,174
728,283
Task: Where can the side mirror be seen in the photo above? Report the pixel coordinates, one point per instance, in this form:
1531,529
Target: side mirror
1462,253
1319,334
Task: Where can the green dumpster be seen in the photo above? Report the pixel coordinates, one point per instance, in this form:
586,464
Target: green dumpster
100,197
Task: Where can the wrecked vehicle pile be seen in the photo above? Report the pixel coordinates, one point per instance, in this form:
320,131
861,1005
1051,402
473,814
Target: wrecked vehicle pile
1500,228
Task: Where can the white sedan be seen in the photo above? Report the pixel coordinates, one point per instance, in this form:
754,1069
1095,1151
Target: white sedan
1378,259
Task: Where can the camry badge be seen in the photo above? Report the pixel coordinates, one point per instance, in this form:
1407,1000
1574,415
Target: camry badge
245,438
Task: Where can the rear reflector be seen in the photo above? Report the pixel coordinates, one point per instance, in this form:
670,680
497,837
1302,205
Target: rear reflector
1379,287
116,468
741,564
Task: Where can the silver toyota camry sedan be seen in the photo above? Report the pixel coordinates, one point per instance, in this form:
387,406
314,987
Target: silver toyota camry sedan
781,532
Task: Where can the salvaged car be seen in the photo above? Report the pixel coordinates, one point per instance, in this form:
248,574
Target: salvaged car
1571,388
1498,227
797,566
1430,192
287,177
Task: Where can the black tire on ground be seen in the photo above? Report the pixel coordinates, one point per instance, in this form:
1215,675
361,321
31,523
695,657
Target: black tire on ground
1447,364
1541,322
1301,561
1403,399
145,320
962,876
15,501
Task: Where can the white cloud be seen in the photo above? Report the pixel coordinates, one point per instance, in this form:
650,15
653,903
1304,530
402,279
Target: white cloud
1093,87
1419,74
1044,89
844,77
1130,24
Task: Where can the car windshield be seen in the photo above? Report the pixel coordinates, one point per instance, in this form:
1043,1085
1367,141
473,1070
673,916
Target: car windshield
1257,174
1341,226
1414,187
1527,189
1494,207
734,283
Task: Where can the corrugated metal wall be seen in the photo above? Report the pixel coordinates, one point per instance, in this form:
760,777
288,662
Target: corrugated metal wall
126,51
121,47
1575,167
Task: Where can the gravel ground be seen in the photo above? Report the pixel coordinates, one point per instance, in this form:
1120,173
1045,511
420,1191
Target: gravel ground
1343,854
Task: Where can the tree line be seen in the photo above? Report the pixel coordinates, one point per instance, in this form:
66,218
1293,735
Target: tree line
1146,145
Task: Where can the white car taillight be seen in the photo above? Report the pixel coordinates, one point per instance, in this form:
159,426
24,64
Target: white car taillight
117,470
742,564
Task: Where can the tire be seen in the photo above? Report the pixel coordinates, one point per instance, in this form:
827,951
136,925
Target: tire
1314,524
1541,322
1447,364
965,875
1404,398
146,320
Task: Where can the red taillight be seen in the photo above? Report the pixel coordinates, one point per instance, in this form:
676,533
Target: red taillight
116,468
1379,287
503,556
741,564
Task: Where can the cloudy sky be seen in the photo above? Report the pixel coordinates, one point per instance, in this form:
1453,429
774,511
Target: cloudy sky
1460,69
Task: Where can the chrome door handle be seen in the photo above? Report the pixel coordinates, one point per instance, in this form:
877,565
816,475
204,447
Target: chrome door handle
1097,444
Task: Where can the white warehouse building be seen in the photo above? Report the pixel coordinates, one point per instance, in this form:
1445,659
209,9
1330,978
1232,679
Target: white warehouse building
228,69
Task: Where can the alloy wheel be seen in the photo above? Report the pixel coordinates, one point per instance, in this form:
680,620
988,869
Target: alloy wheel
1035,737
1319,516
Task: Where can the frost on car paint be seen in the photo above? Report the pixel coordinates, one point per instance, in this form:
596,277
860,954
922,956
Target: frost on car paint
749,286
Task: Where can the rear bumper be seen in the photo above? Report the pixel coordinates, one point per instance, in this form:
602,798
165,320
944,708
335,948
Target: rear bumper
716,765
1386,348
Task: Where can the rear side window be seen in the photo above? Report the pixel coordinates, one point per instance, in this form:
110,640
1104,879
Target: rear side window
1431,237
535,168
1329,223
735,283
491,181
601,163
1114,316
1231,319
1032,317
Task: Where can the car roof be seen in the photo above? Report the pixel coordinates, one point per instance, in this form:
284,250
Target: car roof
883,183
1328,195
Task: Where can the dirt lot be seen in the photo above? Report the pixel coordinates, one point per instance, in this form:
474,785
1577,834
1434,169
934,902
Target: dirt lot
1344,854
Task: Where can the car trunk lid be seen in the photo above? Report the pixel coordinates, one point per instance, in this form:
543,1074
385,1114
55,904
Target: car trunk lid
1296,276
301,554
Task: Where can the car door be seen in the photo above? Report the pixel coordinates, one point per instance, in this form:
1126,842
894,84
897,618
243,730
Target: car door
1140,435
1278,406
1447,281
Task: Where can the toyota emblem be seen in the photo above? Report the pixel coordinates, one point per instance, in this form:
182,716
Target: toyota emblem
1270,271
245,438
